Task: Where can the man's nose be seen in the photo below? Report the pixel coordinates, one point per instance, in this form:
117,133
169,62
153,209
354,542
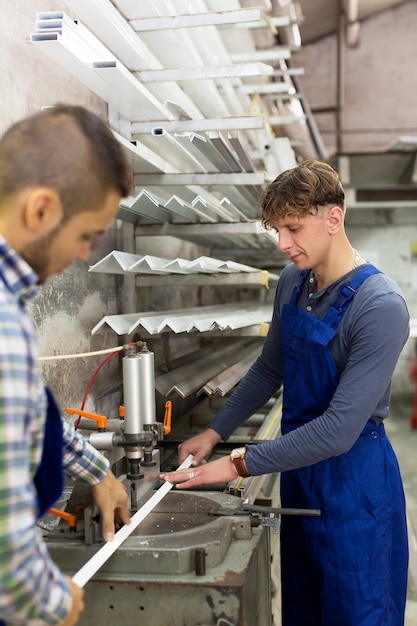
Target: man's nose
284,242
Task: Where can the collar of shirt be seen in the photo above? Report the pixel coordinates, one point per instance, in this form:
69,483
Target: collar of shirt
17,275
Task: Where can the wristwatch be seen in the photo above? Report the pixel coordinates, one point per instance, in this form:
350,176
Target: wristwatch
237,457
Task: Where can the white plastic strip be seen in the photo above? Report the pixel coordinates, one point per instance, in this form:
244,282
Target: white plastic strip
93,565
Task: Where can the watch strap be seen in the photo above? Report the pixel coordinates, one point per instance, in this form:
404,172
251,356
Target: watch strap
240,465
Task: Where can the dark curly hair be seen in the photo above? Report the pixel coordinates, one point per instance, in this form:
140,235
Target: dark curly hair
300,191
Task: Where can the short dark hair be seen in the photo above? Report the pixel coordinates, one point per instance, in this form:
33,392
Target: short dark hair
301,190
69,149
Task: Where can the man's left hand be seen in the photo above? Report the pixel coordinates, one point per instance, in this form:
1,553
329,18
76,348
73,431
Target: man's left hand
110,495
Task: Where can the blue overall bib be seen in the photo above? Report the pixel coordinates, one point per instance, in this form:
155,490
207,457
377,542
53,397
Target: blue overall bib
347,567
49,478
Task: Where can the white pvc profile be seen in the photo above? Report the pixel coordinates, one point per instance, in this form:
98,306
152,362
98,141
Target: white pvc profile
105,552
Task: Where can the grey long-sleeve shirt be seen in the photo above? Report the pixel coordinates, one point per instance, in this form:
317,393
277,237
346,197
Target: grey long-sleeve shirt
365,349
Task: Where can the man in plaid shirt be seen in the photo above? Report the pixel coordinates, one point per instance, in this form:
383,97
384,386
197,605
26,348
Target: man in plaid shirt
62,175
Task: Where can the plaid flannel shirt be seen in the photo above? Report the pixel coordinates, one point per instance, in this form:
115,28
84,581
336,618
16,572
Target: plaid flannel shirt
31,585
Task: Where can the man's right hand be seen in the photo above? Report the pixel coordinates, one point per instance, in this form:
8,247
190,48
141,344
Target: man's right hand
77,604
199,446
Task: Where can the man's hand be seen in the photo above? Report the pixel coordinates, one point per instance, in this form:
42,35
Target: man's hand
218,471
199,446
110,495
77,604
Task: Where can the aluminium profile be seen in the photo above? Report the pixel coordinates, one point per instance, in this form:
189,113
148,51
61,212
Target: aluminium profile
167,144
192,143
208,208
184,213
143,158
224,382
116,262
267,88
201,319
120,79
243,122
204,149
218,178
242,153
119,262
203,73
282,120
224,148
260,278
188,378
271,22
276,53
108,23
192,20
74,53
111,27
147,206
235,211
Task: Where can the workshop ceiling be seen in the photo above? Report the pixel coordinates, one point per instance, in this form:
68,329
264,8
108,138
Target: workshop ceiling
320,16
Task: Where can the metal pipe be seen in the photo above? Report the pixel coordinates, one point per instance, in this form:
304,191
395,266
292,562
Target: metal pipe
340,72
147,387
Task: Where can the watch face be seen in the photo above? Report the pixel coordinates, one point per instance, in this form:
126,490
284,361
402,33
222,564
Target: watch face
238,453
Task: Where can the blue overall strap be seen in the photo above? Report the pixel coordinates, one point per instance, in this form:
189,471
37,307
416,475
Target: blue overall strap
345,295
298,286
49,479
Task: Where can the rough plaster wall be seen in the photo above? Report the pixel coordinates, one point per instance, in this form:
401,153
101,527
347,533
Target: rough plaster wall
67,305
380,82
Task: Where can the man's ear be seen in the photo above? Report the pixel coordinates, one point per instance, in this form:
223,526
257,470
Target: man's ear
335,218
42,211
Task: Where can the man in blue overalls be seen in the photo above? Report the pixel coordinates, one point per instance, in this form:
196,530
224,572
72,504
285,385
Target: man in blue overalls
338,328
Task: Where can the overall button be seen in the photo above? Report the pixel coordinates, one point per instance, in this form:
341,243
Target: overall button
309,308
374,434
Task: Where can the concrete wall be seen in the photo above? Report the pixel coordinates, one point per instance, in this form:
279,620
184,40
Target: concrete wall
386,239
380,82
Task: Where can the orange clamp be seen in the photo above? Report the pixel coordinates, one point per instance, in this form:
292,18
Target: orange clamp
70,519
100,419
167,417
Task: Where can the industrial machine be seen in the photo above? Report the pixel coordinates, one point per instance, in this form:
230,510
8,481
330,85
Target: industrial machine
200,558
